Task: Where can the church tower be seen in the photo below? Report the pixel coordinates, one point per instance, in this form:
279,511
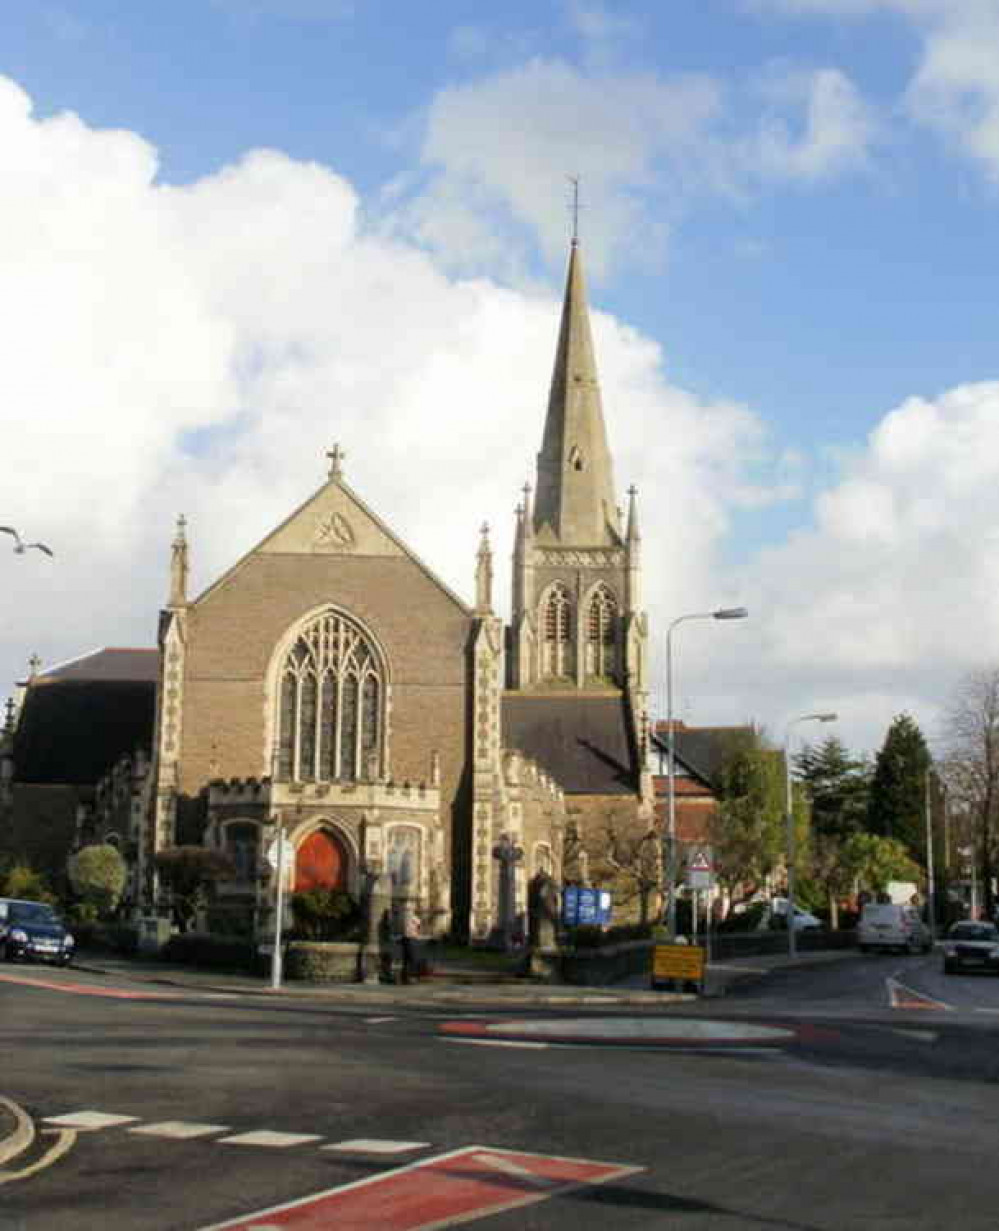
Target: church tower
577,623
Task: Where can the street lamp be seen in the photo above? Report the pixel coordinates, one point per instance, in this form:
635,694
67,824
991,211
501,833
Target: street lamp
722,613
789,818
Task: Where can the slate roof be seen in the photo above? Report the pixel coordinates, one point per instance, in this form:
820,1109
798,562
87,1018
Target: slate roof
702,750
109,663
584,742
77,719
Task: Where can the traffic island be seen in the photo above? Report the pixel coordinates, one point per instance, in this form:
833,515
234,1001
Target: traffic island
683,1032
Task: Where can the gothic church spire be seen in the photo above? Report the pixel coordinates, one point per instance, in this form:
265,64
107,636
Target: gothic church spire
575,504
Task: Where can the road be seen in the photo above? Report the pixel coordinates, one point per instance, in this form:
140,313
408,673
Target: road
868,1117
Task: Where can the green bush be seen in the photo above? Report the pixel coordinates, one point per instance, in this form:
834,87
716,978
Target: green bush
24,882
97,874
326,914
122,938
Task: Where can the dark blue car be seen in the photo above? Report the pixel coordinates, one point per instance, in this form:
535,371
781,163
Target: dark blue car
32,930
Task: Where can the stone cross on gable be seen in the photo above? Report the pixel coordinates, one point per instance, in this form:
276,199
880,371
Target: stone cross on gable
336,456
34,664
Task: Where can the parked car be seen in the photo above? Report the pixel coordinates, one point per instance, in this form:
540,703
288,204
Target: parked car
803,921
889,925
971,946
33,930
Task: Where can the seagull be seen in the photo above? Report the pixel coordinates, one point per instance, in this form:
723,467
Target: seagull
20,547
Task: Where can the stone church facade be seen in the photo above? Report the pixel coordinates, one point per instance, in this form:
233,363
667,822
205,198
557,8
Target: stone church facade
330,687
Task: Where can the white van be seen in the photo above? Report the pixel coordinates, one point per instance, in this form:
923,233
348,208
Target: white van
888,925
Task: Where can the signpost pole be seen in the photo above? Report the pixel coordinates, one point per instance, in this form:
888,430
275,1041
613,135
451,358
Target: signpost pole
278,911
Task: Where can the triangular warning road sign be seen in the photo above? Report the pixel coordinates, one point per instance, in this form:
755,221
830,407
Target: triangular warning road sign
700,862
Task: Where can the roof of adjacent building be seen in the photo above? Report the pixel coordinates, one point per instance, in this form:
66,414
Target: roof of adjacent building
107,663
702,750
78,718
584,742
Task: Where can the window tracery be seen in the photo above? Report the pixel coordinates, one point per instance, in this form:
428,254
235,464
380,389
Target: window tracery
557,624
330,704
601,633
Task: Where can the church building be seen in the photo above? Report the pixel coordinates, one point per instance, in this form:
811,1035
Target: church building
329,686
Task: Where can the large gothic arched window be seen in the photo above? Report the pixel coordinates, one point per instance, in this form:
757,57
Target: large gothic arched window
557,632
601,630
332,699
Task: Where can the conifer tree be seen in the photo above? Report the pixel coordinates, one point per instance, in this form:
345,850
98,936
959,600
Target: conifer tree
897,804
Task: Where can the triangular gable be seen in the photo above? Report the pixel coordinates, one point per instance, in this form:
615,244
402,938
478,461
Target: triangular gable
333,521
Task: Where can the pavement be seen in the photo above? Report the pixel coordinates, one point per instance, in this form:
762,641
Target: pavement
455,984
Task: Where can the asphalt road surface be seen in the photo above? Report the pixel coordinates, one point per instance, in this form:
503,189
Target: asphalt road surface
877,1108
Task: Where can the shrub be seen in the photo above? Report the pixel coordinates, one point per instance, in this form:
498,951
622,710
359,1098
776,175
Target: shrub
326,914
24,882
97,874
752,919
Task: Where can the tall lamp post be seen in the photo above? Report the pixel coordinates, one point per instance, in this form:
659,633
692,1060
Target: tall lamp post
789,819
669,862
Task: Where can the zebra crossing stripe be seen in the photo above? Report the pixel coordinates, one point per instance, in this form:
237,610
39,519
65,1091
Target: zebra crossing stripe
88,1120
265,1137
375,1145
179,1130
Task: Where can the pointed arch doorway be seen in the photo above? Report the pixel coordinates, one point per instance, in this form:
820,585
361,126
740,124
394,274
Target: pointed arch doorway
320,862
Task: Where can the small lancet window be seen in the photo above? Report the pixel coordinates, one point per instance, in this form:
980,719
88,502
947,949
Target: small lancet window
576,461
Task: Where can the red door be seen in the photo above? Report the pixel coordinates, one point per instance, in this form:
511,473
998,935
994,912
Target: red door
320,863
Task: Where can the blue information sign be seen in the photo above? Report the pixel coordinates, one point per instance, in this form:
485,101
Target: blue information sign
581,906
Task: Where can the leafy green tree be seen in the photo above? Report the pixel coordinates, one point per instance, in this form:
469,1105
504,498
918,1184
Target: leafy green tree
897,804
97,874
748,831
873,861
189,872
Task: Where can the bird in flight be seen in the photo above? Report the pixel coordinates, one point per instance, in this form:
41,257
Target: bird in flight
21,547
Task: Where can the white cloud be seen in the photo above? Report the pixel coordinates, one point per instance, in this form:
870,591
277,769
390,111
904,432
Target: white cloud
835,133
893,593
198,348
954,89
501,146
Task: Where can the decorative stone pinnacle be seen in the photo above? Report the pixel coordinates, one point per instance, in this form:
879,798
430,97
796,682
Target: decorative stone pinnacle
34,664
336,456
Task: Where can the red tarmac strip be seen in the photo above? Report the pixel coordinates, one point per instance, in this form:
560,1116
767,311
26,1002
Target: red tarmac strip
435,1193
85,989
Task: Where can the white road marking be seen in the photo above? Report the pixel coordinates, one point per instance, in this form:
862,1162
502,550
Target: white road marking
65,1137
922,1036
89,1120
899,991
987,1010
498,1043
509,1167
377,1021
376,1145
264,1137
179,1130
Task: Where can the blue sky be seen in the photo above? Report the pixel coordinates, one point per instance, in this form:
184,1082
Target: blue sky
789,222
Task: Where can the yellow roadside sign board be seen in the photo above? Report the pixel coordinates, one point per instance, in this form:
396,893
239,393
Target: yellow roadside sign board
677,962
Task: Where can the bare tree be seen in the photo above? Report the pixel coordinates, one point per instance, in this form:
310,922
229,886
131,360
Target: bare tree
635,860
971,765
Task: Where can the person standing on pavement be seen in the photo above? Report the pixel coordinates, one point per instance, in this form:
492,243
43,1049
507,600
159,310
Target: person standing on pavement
410,941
